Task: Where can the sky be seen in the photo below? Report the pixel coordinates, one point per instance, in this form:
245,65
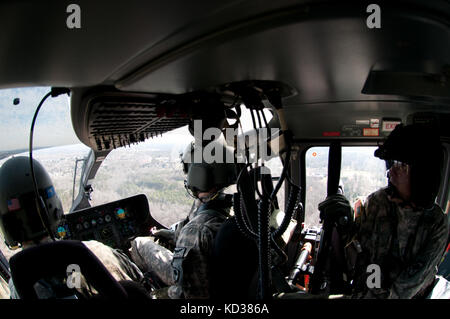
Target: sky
53,125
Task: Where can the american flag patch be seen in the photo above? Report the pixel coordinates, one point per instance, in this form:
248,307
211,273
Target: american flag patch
13,204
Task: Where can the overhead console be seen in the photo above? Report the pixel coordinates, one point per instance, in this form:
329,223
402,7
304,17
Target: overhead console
113,224
105,118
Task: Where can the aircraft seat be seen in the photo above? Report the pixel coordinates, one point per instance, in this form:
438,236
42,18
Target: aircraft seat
234,264
52,259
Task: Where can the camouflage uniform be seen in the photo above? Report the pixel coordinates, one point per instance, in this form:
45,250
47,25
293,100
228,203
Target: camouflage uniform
4,289
406,243
151,257
116,262
186,270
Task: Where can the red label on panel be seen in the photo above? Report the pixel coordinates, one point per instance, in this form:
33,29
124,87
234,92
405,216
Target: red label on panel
331,133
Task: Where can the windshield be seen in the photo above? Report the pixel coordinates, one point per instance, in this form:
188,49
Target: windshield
152,168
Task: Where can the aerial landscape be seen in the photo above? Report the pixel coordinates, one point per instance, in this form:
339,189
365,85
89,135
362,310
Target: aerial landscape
154,168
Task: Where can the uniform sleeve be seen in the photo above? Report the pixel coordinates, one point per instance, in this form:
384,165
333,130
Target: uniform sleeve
364,245
363,222
372,206
422,271
117,263
373,225
197,241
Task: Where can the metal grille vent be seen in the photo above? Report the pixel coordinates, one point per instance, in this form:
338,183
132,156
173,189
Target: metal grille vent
115,124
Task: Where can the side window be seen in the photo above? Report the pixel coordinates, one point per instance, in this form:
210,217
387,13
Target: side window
361,174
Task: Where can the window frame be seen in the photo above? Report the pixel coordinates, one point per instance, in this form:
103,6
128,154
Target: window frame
301,147
298,159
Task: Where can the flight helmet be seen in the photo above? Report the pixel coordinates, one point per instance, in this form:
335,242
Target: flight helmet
208,167
418,146
19,218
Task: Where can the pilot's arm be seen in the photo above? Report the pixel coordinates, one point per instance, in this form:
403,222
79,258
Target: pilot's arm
191,261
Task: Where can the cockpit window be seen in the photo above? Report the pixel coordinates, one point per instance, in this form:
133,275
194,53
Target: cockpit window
55,144
53,125
152,168
361,174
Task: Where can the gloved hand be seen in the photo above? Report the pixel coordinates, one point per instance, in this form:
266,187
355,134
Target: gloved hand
166,235
338,209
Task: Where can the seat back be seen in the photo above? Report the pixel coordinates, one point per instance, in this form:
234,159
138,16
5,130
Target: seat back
234,263
52,259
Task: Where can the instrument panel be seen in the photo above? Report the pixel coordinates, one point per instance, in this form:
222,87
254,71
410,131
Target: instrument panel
114,224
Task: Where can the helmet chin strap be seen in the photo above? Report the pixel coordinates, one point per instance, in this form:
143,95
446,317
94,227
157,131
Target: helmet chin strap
203,199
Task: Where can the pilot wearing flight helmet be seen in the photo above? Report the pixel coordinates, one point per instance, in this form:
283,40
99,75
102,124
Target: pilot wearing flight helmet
187,269
22,226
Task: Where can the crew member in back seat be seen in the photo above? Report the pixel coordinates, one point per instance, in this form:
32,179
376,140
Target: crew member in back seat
22,226
187,269
401,228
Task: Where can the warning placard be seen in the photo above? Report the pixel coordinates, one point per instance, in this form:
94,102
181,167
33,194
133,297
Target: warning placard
367,131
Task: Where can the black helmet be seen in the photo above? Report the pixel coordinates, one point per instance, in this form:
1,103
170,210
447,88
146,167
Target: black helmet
19,219
203,173
419,146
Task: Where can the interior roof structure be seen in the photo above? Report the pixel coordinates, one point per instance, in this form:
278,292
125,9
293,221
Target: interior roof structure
324,50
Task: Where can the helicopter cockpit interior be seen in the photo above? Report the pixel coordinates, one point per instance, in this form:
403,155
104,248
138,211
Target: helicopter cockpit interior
334,77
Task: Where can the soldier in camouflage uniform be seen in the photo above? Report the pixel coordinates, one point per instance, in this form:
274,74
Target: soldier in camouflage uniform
21,225
400,228
186,269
